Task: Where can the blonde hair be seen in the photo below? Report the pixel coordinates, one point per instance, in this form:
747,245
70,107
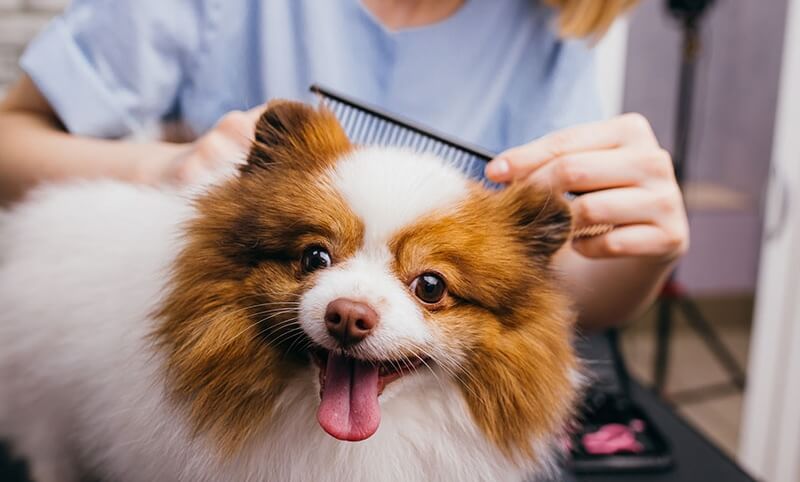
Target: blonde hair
588,18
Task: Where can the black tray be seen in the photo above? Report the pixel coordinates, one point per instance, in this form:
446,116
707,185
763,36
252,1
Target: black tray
606,408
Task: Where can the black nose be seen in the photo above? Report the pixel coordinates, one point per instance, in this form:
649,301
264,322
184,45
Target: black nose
350,321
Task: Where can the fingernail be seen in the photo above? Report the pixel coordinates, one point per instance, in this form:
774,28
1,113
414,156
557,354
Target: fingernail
498,169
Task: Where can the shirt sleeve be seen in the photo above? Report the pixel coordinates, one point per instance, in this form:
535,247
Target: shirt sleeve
110,68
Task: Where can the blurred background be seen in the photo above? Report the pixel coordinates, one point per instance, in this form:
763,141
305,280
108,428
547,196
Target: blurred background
729,365
741,188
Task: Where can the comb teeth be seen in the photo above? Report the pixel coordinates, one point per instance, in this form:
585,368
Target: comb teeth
369,126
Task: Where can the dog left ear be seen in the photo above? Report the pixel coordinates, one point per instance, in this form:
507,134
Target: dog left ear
292,134
541,217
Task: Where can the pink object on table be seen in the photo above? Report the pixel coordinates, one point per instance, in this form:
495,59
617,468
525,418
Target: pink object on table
637,425
611,439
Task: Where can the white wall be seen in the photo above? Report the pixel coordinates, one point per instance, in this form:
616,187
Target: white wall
770,439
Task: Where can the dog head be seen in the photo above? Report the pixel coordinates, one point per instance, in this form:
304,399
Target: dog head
372,265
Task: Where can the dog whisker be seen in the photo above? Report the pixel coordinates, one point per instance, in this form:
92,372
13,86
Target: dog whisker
257,323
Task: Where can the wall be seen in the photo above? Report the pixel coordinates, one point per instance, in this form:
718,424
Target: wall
770,443
20,20
734,115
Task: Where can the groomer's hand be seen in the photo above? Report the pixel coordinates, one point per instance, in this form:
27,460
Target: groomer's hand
224,146
626,180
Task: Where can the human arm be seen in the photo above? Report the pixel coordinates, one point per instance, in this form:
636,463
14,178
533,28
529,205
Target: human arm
101,72
36,148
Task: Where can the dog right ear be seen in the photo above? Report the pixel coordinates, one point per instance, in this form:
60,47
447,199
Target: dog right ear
295,135
540,217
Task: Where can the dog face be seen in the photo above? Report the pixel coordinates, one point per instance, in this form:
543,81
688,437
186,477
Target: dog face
372,265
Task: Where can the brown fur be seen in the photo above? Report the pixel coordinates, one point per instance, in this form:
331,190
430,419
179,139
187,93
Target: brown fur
290,134
504,308
243,251
229,357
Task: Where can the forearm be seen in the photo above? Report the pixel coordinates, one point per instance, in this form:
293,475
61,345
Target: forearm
35,148
610,291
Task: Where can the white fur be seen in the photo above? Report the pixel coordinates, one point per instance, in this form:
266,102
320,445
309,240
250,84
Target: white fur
388,189
368,280
81,269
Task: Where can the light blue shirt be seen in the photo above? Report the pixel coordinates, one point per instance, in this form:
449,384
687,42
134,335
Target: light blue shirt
494,73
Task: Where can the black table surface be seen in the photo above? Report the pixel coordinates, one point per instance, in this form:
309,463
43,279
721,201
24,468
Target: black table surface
696,458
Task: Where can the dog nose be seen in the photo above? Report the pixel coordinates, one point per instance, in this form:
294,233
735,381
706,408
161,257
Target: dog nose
350,321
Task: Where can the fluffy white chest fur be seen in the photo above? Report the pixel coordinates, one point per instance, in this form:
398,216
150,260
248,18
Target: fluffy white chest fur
81,269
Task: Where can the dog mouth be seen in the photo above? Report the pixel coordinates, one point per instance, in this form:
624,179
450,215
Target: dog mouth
349,391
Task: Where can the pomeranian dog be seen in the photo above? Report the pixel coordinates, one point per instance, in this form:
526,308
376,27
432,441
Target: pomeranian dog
329,313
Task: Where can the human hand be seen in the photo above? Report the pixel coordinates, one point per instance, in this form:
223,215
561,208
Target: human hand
624,178
214,153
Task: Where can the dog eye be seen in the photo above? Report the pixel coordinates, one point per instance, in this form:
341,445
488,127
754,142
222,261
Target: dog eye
315,258
428,287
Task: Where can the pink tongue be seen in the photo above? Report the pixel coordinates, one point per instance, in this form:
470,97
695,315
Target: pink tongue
349,409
